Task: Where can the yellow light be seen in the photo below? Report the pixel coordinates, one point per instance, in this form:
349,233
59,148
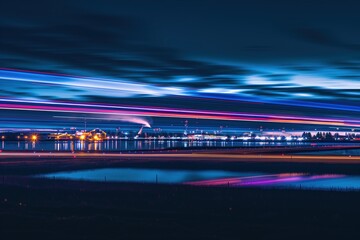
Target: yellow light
82,137
34,137
96,137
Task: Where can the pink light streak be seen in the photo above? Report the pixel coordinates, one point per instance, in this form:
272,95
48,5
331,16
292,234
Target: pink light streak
262,180
120,110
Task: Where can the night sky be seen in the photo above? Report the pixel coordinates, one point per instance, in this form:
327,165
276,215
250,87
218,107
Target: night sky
242,64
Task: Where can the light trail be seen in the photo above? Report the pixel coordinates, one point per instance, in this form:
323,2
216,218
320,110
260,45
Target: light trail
113,86
121,110
262,180
7,158
61,107
132,119
110,86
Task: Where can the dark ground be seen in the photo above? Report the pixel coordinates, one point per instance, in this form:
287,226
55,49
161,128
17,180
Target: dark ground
58,209
52,209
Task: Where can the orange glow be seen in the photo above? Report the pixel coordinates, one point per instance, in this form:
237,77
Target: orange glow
34,137
82,137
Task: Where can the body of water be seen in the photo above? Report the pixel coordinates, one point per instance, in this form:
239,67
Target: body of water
214,178
128,145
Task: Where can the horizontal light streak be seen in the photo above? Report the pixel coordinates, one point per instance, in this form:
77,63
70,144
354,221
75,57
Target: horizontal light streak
125,88
82,83
263,180
66,107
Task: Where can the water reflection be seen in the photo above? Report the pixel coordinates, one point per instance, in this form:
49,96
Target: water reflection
130,145
282,179
215,178
143,175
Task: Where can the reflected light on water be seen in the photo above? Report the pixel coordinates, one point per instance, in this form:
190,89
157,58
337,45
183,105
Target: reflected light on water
263,180
215,178
129,145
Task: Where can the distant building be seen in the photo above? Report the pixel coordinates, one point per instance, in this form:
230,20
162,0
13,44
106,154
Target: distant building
93,135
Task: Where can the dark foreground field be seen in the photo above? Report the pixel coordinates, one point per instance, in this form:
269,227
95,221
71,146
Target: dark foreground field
51,209
57,209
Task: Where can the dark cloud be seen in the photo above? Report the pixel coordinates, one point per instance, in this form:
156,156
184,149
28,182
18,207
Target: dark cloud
352,77
326,39
188,45
99,45
346,65
302,69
